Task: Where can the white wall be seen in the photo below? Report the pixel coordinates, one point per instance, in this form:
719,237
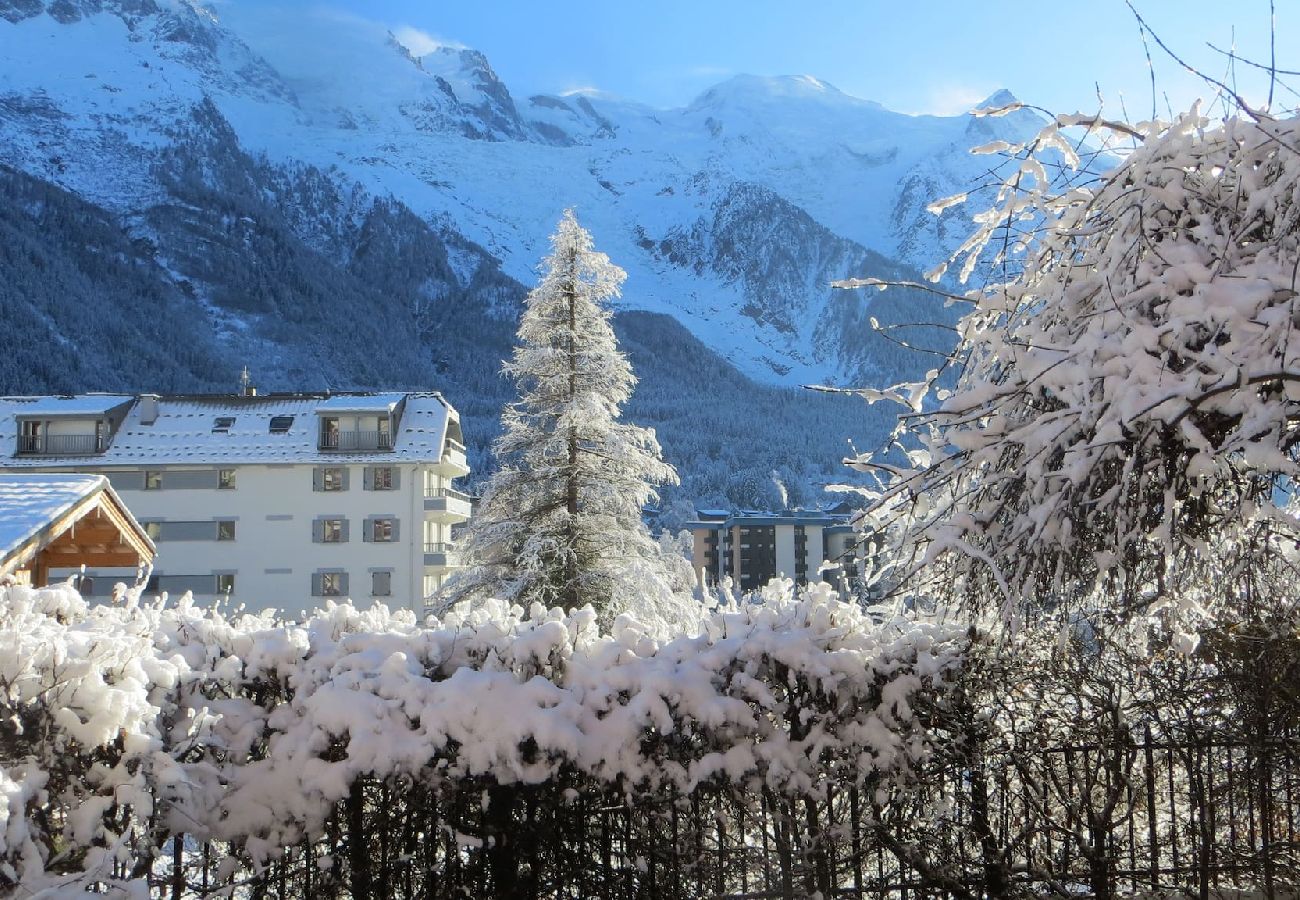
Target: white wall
273,554
785,550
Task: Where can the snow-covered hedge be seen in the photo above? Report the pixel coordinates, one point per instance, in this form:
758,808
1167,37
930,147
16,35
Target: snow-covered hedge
123,726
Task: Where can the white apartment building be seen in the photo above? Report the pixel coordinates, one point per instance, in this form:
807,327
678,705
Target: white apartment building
277,501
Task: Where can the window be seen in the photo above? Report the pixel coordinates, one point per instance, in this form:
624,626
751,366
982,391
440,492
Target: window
329,432
381,584
153,529
331,531
381,478
281,424
331,584
226,530
153,480
226,583
222,424
331,479
226,479
382,530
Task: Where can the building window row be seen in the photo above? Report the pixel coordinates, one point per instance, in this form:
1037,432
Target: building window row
324,583
335,583
203,530
214,584
336,529
324,478
375,478
158,479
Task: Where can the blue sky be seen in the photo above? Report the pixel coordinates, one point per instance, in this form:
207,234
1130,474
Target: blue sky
919,56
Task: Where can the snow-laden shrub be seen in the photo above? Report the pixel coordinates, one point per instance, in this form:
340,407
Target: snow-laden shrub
124,726
1124,432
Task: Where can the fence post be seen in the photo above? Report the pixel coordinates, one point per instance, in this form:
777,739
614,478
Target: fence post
358,851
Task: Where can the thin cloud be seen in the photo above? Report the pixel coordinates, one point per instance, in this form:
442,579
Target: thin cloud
953,99
709,72
421,42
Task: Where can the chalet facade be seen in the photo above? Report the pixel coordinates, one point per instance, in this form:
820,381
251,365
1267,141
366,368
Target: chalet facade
56,523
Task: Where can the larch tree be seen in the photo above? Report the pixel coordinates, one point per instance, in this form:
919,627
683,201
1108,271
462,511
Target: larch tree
560,523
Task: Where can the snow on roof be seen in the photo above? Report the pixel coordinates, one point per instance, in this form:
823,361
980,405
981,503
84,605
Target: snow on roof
78,405
360,403
183,432
30,502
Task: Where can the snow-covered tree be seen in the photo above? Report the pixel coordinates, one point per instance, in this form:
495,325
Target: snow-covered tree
561,522
1125,430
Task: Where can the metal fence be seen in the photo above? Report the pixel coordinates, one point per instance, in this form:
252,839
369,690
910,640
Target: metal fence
1151,817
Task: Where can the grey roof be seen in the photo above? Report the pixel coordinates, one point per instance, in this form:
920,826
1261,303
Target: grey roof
74,405
30,502
182,432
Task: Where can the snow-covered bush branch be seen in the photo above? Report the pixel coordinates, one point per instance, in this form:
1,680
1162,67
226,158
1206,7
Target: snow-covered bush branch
1124,429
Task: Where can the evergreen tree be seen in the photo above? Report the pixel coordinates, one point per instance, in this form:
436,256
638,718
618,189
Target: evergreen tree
560,523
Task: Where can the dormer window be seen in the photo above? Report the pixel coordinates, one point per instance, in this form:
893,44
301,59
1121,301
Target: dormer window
359,431
62,437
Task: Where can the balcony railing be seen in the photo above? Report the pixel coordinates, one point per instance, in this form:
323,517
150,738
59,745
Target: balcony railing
447,492
440,556
356,440
61,444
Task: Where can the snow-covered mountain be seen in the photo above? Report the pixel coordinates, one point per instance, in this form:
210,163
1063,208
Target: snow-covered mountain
93,90
304,194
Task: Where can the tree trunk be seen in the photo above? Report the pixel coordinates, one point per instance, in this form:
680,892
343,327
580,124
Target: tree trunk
571,492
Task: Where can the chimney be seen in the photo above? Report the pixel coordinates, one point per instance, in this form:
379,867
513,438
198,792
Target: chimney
246,386
148,409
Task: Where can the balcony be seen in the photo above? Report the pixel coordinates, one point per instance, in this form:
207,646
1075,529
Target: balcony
440,556
356,440
61,444
447,504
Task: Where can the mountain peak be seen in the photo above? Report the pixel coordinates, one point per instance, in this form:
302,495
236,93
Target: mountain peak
1000,97
746,90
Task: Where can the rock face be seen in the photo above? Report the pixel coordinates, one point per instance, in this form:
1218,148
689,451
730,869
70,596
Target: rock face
368,216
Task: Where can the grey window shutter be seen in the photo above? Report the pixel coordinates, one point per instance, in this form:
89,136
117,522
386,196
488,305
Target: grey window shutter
315,584
343,536
343,584
126,481
192,480
317,531
347,472
397,528
368,478
397,478
368,529
317,480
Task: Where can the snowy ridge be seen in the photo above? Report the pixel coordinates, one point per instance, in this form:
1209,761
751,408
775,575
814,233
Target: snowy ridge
245,729
90,99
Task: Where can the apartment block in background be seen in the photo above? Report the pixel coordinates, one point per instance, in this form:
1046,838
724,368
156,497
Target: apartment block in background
752,547
281,500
